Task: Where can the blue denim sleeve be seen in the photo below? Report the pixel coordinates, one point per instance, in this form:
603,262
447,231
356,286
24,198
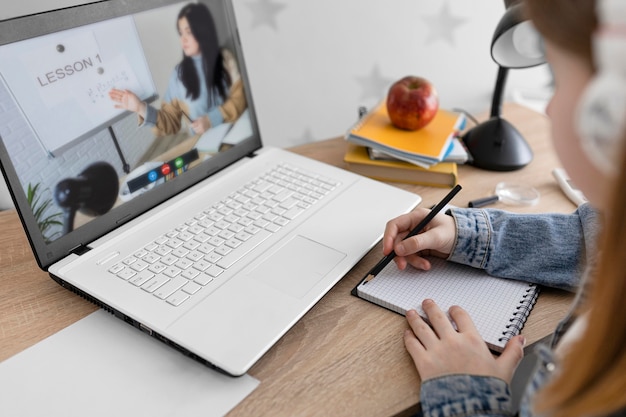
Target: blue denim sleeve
548,249
465,395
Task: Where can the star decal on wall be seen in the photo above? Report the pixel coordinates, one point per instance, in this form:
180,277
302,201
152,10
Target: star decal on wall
443,25
374,85
264,13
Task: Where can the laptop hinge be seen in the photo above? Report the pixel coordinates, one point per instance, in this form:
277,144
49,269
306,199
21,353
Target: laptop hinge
80,250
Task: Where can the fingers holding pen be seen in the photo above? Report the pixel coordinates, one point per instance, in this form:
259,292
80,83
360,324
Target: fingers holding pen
395,230
437,238
398,228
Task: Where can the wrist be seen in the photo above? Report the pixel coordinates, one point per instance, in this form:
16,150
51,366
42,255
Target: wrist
142,109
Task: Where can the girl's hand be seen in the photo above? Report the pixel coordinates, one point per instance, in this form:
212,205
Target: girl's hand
436,239
442,350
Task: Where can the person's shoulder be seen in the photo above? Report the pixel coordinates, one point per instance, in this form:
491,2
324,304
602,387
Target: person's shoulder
589,214
588,209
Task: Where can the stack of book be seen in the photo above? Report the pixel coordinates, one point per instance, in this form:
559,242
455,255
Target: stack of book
427,156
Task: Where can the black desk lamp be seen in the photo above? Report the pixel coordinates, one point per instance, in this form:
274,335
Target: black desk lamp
93,192
496,144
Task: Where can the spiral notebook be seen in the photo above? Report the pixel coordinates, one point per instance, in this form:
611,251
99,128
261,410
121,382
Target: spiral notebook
499,307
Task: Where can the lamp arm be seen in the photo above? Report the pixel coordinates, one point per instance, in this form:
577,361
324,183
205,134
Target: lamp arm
498,93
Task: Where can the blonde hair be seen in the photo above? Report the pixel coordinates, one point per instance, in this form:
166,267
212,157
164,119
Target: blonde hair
592,376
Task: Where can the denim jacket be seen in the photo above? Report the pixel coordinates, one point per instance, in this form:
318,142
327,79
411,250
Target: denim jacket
553,250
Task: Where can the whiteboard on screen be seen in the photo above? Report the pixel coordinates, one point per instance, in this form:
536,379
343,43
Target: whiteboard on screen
61,81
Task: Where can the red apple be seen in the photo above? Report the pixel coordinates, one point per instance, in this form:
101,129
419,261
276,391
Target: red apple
412,102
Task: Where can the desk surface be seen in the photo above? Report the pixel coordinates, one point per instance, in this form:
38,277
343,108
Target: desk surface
346,356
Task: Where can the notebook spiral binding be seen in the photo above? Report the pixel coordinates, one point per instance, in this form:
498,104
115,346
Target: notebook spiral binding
516,323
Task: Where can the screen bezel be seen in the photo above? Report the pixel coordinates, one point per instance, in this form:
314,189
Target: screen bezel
26,27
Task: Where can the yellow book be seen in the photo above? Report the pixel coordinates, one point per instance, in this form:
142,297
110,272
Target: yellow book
425,146
443,174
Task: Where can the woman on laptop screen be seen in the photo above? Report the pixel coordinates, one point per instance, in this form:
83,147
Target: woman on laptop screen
204,88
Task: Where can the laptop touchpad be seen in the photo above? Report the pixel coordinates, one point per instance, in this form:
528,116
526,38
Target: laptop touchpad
296,267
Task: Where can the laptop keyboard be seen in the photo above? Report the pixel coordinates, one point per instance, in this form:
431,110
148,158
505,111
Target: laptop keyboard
181,263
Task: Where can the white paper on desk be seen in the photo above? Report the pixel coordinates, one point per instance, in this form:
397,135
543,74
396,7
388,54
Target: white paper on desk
101,366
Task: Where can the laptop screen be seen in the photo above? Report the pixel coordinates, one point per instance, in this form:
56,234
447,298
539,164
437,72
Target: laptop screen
110,108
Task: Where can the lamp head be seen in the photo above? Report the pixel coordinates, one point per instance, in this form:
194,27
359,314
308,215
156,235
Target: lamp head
516,43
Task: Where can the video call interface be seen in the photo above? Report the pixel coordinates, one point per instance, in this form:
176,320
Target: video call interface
103,113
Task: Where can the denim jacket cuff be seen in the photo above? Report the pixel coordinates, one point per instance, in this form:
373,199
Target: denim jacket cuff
465,395
473,237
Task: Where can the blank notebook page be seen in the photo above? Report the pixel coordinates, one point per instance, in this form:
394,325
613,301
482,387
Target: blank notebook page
499,307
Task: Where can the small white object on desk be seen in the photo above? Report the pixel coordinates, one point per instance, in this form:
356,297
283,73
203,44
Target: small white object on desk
100,366
567,186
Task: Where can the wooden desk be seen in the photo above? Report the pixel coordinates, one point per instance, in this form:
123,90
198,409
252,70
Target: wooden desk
346,356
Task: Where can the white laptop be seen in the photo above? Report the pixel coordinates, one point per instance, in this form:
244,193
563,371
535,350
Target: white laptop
216,254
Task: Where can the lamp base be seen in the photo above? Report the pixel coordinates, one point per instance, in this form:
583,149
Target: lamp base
496,145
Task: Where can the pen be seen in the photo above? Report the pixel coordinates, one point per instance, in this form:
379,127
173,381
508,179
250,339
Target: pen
386,259
187,116
481,202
